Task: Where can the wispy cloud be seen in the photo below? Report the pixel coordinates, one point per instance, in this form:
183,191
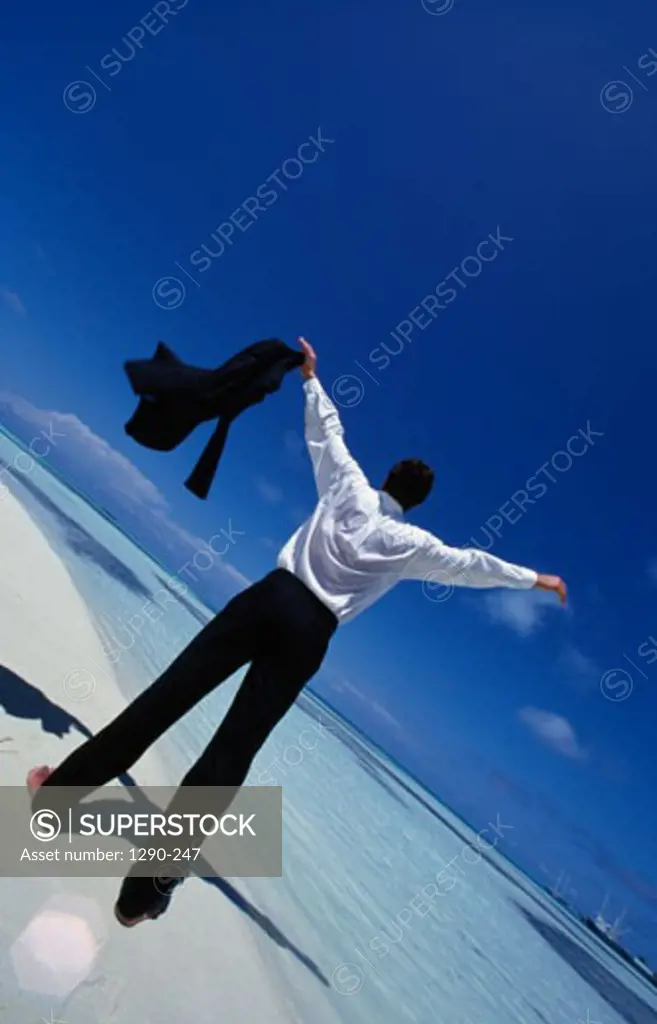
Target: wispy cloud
41,256
652,570
298,514
554,731
371,706
81,453
524,611
294,446
579,671
271,493
581,664
12,300
72,436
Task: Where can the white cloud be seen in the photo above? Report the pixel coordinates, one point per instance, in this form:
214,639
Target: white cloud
522,610
12,300
652,570
40,255
82,453
270,493
343,686
110,466
553,730
298,515
576,661
340,684
296,454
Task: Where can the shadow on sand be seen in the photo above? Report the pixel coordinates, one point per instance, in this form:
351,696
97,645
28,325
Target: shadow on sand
267,925
23,700
202,869
617,995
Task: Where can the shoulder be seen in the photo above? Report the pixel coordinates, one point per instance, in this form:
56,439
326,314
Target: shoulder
401,535
421,541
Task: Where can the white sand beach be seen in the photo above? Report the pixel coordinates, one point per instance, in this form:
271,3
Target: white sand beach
63,957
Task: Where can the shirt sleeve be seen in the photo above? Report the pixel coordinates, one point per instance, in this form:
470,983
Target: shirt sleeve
465,567
330,457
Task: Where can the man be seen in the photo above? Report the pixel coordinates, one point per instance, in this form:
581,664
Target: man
354,547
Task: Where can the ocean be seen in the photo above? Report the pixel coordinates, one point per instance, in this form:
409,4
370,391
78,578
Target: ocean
390,908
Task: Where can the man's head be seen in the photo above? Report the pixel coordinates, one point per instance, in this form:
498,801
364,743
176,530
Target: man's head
409,483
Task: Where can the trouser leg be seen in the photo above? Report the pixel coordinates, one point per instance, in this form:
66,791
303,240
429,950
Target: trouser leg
225,644
267,692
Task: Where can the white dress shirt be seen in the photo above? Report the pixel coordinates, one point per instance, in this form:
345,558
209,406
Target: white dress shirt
356,546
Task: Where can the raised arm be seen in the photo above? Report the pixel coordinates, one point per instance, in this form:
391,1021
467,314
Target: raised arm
329,454
470,567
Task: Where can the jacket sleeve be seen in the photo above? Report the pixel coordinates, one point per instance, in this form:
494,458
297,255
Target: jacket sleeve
464,567
329,455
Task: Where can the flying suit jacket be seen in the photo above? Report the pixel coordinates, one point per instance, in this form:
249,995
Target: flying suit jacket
175,398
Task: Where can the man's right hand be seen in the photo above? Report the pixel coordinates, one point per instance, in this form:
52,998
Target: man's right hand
553,583
310,362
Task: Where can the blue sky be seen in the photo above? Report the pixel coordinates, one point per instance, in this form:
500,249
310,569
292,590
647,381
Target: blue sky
530,125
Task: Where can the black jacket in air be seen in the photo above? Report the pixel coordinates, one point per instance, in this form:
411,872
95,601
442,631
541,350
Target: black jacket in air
175,398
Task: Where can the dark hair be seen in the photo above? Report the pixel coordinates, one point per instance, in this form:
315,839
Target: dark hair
409,482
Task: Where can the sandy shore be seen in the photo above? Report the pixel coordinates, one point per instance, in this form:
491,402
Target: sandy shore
62,955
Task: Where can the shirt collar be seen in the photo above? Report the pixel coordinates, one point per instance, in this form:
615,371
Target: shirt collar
391,505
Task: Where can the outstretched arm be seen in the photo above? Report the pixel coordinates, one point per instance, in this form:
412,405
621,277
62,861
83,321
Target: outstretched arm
329,454
470,567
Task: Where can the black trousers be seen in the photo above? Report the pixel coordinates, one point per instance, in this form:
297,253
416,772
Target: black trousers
276,624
